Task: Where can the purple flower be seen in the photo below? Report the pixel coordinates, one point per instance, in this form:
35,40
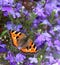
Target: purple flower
58,21
15,13
42,39
57,28
48,38
57,44
33,60
49,43
49,7
5,13
36,22
11,26
52,32
13,63
51,58
9,7
57,62
2,45
18,27
10,57
39,40
6,2
46,22
20,57
18,6
46,34
39,11
31,64
3,48
48,49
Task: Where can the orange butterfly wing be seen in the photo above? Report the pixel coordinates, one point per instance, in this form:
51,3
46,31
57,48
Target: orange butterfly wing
13,37
31,47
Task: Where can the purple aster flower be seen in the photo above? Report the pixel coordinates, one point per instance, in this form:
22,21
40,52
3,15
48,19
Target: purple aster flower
35,23
58,21
3,48
51,58
18,27
33,60
57,62
9,7
26,13
6,2
48,49
40,41
19,58
10,11
57,28
0,2
46,22
57,44
31,64
18,6
5,13
49,43
10,57
40,12
13,63
15,13
2,45
48,38
6,8
49,7
52,32
46,34
11,26
6,5
27,62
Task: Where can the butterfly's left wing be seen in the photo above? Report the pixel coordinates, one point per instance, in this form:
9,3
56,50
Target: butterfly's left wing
16,36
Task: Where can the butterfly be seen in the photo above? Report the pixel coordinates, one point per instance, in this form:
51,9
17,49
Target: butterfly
23,42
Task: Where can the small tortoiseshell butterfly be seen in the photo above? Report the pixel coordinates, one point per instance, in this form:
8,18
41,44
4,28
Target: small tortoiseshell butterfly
22,42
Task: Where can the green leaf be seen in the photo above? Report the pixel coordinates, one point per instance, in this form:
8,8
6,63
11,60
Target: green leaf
52,17
11,18
3,33
39,59
33,16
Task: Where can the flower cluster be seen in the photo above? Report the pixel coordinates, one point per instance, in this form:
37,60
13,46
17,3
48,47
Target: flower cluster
40,21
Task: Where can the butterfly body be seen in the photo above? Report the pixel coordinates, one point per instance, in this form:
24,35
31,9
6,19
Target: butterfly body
23,42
